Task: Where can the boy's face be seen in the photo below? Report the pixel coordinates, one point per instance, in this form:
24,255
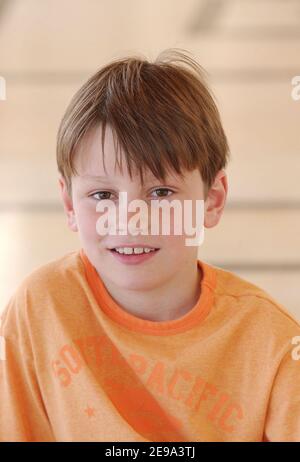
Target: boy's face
88,190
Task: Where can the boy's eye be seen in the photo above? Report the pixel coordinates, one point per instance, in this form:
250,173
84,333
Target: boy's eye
104,195
163,190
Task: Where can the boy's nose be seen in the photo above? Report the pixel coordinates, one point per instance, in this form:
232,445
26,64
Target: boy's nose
132,218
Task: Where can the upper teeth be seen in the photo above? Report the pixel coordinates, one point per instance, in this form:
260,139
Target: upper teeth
130,250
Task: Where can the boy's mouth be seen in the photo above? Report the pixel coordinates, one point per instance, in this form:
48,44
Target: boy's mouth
133,255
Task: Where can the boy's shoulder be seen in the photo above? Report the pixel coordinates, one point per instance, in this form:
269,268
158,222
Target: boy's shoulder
54,272
253,303
49,279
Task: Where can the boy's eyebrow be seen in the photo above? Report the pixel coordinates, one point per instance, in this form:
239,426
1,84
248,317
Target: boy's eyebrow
106,177
149,178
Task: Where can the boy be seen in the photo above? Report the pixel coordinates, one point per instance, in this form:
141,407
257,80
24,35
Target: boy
132,338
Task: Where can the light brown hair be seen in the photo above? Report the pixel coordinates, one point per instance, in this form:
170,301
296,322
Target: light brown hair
162,113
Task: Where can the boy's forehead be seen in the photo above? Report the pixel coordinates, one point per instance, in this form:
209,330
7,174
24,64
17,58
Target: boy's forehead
90,165
88,157
96,175
89,160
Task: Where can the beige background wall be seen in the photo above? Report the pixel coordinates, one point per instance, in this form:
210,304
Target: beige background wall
251,50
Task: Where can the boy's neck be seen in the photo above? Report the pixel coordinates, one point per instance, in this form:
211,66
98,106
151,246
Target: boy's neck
165,303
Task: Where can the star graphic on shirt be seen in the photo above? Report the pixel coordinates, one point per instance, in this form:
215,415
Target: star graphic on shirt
90,411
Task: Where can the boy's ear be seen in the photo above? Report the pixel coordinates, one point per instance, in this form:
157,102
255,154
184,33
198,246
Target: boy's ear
68,204
216,200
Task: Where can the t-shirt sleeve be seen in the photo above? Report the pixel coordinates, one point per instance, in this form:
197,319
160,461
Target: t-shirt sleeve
23,417
283,417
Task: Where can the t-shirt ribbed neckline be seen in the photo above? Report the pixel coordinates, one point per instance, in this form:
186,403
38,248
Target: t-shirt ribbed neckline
109,306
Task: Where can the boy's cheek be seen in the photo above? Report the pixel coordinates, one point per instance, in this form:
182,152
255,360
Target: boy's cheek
86,223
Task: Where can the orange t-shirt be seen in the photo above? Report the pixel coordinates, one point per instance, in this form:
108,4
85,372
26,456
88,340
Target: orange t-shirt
75,366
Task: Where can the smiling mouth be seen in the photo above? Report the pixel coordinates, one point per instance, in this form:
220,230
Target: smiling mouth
133,258
133,253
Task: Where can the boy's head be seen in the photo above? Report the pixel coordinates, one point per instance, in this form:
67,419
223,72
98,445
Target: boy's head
160,120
